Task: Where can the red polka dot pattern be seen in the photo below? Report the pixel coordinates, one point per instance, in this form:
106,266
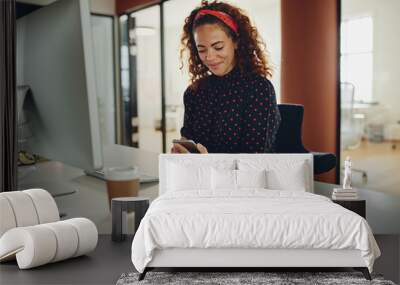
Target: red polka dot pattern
234,113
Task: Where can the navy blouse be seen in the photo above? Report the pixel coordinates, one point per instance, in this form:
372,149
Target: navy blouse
234,113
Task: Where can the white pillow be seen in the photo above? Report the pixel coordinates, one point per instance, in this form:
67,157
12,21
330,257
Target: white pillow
282,174
182,177
189,172
251,179
223,179
293,179
228,179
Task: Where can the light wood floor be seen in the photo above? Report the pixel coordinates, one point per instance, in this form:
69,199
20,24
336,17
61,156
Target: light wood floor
381,163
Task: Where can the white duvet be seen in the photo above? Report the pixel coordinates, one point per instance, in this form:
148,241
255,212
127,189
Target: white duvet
251,218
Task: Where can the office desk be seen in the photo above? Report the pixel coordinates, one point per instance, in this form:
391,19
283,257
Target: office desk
90,199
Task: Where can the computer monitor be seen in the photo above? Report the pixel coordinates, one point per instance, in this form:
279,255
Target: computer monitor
55,59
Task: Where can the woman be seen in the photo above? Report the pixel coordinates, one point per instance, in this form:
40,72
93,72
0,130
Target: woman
230,106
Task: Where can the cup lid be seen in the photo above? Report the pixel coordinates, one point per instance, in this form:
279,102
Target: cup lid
122,173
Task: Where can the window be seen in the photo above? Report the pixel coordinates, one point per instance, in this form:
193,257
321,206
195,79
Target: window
141,79
357,56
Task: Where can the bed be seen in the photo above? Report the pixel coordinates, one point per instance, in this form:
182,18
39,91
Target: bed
246,211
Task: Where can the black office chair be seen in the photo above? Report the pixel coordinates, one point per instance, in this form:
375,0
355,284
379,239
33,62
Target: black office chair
288,138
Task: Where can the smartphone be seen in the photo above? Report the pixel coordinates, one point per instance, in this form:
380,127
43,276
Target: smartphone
190,145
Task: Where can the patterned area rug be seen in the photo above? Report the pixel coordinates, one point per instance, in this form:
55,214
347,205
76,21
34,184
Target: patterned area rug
231,278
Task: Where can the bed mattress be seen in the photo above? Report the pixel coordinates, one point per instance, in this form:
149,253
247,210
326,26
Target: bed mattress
251,219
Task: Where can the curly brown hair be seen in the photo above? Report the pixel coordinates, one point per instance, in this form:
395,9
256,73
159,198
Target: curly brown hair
250,54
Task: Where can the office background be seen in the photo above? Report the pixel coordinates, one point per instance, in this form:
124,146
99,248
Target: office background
316,48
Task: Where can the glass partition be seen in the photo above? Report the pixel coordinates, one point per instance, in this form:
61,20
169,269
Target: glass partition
370,101
141,79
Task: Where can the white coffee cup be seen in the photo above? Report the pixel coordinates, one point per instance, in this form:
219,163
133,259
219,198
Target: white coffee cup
122,182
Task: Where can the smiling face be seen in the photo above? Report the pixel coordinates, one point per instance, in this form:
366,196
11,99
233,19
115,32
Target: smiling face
215,48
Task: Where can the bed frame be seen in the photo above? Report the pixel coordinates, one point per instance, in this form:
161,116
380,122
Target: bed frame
242,259
246,258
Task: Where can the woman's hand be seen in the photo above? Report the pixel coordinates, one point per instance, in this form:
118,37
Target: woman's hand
201,148
177,148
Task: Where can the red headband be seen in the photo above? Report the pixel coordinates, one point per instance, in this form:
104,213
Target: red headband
224,17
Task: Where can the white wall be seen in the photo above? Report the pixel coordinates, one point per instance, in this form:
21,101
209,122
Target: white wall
96,6
386,59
